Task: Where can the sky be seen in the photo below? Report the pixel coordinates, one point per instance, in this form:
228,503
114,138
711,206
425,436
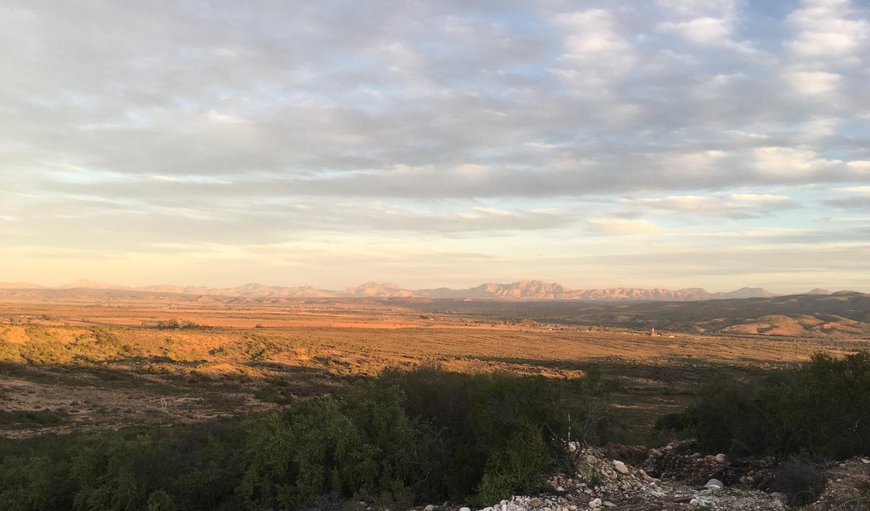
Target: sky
670,143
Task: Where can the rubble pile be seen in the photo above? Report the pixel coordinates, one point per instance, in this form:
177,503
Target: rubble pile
668,479
674,478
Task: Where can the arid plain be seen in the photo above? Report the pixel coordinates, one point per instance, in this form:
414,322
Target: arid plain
81,359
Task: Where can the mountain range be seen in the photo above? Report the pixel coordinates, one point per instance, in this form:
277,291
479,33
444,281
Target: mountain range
524,290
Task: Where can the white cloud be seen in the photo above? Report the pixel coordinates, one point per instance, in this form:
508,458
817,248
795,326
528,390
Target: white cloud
439,122
814,83
790,163
701,30
596,52
736,205
622,227
699,7
827,30
761,198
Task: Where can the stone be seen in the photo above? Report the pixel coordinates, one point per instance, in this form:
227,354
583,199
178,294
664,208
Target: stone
720,458
620,467
595,503
607,503
465,509
560,489
865,460
714,484
430,507
534,503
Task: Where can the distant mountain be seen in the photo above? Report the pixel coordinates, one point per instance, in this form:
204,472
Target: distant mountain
523,290
818,291
19,285
539,290
744,292
90,284
375,290
252,290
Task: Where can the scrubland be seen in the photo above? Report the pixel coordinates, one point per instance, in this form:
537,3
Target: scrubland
420,385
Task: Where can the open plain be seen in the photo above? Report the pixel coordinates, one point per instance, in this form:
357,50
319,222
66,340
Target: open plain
92,358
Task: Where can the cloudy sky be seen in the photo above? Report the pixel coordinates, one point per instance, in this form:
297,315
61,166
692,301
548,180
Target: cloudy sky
675,143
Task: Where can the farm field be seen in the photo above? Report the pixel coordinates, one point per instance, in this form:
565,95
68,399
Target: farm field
68,365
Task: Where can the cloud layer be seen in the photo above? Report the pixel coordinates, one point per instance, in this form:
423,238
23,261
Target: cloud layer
131,130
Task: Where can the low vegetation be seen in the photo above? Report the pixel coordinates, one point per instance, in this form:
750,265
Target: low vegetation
404,437
818,410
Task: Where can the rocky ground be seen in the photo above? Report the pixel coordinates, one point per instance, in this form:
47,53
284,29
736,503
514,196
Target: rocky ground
676,479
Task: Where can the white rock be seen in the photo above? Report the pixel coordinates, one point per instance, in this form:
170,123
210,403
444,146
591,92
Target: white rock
865,460
620,467
720,458
430,507
714,484
465,509
595,503
607,503
560,489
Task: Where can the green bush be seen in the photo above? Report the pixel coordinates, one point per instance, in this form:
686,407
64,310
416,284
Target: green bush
819,410
402,438
496,433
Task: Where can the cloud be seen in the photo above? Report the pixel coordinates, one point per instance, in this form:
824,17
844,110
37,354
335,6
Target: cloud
236,124
704,30
622,227
737,205
828,30
814,83
857,197
791,162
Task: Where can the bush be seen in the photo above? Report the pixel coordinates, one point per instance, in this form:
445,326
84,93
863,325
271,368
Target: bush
496,433
819,410
402,438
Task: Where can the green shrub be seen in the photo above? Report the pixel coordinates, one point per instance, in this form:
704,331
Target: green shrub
819,410
400,439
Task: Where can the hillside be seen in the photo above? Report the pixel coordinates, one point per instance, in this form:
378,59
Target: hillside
845,313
